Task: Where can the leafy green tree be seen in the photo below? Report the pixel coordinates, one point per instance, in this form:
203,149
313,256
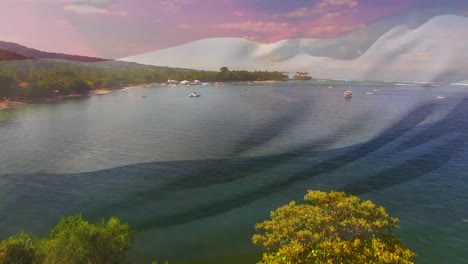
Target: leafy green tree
75,241
331,228
19,249
224,69
40,89
7,88
108,82
303,76
80,86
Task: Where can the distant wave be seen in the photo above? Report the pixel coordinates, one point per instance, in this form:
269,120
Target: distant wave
459,84
406,84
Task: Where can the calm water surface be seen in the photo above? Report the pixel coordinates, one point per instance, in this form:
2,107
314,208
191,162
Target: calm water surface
193,176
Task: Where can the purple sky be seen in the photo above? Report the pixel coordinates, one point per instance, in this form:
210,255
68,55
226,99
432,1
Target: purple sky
118,28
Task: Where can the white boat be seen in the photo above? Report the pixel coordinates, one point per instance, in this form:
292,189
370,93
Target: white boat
194,94
348,93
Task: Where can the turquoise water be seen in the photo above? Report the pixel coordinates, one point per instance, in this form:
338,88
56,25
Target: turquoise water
193,176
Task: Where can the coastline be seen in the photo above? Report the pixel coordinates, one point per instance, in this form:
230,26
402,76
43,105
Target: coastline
9,104
267,81
101,91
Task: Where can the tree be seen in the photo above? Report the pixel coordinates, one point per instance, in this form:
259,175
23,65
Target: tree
331,228
108,82
40,89
80,86
224,69
303,76
74,241
7,88
19,249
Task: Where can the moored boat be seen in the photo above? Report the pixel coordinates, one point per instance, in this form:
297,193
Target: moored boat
348,93
194,94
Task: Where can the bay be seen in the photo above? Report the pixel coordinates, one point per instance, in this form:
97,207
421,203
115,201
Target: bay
194,175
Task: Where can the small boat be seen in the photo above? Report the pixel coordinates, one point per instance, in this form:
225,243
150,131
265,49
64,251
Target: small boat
440,97
348,93
194,94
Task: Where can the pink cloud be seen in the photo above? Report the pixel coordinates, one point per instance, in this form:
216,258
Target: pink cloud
184,26
328,31
254,26
336,3
173,5
300,13
89,9
323,7
239,13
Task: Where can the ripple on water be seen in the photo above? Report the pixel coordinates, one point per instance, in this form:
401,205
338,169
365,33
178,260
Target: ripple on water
179,169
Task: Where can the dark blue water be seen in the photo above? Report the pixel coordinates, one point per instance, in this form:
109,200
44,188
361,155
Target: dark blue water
193,176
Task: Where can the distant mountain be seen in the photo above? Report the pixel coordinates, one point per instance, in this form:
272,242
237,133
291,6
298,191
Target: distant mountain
434,51
37,54
51,64
6,55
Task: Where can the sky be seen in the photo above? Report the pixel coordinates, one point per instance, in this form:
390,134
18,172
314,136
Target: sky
119,28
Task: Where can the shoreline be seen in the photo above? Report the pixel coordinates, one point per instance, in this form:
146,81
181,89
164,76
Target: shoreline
101,91
268,81
11,104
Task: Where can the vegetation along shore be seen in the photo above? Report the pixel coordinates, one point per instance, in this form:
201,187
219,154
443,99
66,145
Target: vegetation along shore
46,80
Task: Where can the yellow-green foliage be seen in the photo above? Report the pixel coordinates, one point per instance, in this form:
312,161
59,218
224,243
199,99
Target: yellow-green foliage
19,249
75,241
331,228
72,241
